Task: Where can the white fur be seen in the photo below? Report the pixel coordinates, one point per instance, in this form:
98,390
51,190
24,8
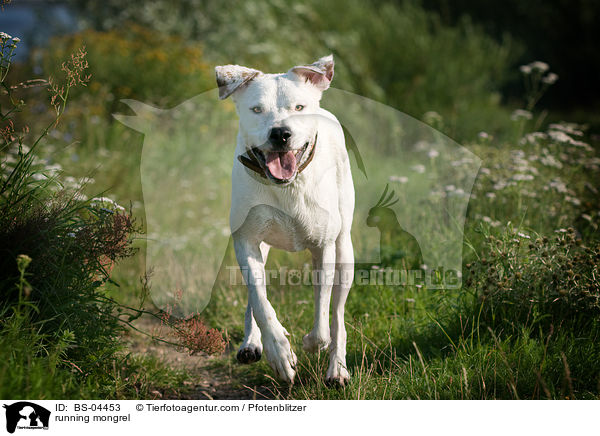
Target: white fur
314,211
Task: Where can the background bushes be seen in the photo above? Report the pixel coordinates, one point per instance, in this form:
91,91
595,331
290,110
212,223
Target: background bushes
133,62
396,53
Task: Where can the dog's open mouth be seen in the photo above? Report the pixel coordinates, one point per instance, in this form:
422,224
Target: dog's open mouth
280,167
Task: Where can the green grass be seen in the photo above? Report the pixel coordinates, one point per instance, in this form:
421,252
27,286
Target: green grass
432,346
30,368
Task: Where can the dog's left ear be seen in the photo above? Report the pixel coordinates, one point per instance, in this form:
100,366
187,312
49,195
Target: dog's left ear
319,73
232,77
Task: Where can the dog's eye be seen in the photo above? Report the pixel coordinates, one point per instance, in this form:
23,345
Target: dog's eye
299,107
256,109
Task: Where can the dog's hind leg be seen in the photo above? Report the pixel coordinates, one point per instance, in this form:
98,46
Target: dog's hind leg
323,273
251,349
337,372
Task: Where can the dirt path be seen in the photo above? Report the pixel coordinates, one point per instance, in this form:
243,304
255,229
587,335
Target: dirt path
209,381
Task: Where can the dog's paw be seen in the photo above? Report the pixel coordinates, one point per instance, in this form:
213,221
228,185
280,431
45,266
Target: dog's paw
249,354
337,375
313,343
280,357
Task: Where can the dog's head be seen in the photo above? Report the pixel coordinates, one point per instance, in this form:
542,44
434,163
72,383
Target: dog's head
278,112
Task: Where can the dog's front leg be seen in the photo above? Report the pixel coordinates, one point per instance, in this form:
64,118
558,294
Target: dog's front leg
275,344
251,349
323,275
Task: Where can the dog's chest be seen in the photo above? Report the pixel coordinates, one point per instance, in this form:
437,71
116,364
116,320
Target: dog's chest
293,223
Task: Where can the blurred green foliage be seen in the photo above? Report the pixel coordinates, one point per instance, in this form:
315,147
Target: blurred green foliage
134,62
397,53
563,33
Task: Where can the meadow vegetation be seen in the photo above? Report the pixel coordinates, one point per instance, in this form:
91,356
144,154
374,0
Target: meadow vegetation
525,323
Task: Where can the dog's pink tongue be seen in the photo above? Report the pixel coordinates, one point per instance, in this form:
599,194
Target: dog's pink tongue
281,165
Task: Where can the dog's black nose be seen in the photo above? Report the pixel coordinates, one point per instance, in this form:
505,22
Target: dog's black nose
279,136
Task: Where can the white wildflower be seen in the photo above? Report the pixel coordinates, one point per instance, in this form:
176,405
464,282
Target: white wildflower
418,168
570,128
5,36
398,179
422,146
500,185
463,161
432,154
490,221
490,195
549,160
522,177
558,185
550,78
105,201
581,144
559,136
524,235
521,114
432,117
525,69
533,137
539,66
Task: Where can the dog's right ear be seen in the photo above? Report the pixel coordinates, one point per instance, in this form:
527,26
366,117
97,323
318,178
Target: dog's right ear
232,77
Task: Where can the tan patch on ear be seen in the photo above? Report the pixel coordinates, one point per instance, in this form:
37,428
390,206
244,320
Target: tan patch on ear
232,77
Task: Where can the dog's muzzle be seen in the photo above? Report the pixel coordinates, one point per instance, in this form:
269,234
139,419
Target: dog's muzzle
279,167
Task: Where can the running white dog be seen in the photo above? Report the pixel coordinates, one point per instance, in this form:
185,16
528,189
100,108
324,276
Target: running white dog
292,189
